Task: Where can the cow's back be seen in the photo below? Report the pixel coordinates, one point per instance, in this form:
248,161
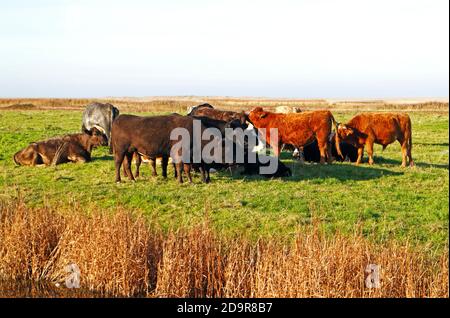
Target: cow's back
299,129
384,128
148,135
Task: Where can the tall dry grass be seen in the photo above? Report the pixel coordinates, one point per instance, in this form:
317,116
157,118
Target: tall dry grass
120,254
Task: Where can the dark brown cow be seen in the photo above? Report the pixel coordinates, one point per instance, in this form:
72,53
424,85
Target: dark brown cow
206,110
70,148
150,137
380,128
298,129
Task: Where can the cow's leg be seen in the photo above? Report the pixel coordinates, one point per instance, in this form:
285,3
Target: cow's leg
179,168
205,173
323,148
138,164
118,160
153,164
369,145
187,170
164,163
127,165
408,152
175,174
329,153
35,159
124,164
360,155
77,158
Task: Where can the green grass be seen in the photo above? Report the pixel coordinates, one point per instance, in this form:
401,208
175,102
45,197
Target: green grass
384,201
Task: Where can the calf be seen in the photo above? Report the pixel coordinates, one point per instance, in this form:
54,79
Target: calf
70,148
298,130
380,128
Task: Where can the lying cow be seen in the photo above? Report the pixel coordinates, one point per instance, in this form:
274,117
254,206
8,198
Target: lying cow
150,137
206,110
100,116
70,148
311,152
298,130
263,161
380,128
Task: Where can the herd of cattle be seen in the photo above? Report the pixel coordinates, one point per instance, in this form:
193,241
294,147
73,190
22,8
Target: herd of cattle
136,138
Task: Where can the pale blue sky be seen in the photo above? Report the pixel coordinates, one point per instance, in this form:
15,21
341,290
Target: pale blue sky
279,48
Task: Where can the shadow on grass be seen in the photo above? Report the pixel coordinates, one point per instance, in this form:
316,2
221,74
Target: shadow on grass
341,172
443,144
103,158
310,171
381,160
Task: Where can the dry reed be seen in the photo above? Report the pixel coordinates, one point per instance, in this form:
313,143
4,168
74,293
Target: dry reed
120,254
181,104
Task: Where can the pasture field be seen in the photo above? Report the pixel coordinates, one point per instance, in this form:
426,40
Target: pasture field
384,201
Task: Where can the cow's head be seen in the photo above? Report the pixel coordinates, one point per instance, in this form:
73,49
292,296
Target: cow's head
242,118
345,132
97,138
257,115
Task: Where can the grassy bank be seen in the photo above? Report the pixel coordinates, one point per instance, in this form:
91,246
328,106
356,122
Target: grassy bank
385,201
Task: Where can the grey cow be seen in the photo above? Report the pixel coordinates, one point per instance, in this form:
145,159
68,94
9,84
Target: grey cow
100,116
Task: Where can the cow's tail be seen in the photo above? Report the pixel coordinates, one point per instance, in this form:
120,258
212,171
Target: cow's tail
336,139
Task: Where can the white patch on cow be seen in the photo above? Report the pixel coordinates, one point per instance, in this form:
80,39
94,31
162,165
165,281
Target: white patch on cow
254,134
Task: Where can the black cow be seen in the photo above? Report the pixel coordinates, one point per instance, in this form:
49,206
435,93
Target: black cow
311,152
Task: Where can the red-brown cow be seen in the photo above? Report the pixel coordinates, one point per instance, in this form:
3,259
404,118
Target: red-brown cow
298,129
380,128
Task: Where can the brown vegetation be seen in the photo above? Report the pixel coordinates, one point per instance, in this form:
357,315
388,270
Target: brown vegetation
180,104
120,254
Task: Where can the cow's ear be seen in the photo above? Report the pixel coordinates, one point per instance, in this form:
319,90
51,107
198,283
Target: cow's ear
349,131
263,114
